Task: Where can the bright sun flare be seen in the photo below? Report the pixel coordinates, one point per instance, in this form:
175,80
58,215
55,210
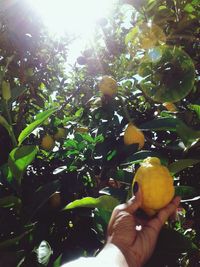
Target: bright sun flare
72,16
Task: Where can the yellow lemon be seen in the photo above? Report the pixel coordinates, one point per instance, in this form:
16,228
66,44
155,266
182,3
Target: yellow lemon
60,134
133,135
156,185
108,86
170,106
47,142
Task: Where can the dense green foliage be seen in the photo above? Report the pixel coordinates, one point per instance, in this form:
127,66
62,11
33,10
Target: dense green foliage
65,196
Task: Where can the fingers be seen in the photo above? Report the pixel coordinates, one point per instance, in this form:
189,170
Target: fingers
169,210
130,207
164,214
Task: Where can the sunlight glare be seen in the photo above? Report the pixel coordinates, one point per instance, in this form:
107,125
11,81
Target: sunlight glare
72,16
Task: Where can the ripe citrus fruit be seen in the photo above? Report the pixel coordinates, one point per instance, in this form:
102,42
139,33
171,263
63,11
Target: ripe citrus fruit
170,106
156,185
60,134
145,36
167,74
133,135
108,86
47,142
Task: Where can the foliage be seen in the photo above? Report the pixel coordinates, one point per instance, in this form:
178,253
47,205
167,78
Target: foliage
38,96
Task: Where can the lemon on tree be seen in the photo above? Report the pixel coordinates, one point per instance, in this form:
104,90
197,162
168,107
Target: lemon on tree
60,134
133,135
167,74
47,142
156,184
145,35
108,86
170,106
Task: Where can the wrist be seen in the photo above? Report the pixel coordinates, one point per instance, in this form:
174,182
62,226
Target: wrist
111,255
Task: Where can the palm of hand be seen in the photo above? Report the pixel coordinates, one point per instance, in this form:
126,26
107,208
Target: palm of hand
137,243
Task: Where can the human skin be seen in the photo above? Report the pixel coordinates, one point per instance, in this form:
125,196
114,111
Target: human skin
127,246
135,246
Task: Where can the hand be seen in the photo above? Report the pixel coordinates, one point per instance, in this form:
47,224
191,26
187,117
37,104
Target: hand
136,245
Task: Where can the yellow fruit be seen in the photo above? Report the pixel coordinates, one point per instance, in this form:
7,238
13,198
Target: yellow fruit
133,135
47,142
81,130
60,134
108,86
170,106
156,185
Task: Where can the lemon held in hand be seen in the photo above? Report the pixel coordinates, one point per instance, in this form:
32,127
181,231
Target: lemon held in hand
47,142
156,185
108,86
133,135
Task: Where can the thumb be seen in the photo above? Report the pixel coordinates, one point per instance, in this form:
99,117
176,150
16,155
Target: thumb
136,201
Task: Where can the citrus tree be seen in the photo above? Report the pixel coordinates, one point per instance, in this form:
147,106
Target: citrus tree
71,142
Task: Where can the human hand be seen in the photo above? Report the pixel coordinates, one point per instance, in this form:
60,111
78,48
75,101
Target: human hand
135,237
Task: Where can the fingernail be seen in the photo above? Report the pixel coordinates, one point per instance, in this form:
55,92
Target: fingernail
135,187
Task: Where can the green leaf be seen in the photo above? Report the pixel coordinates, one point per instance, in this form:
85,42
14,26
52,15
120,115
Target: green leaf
6,125
103,216
171,241
117,193
87,138
58,261
131,35
143,154
10,202
7,172
111,154
185,191
104,202
20,158
41,117
187,134
195,108
182,164
160,124
121,175
71,143
79,112
99,138
189,8
17,91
